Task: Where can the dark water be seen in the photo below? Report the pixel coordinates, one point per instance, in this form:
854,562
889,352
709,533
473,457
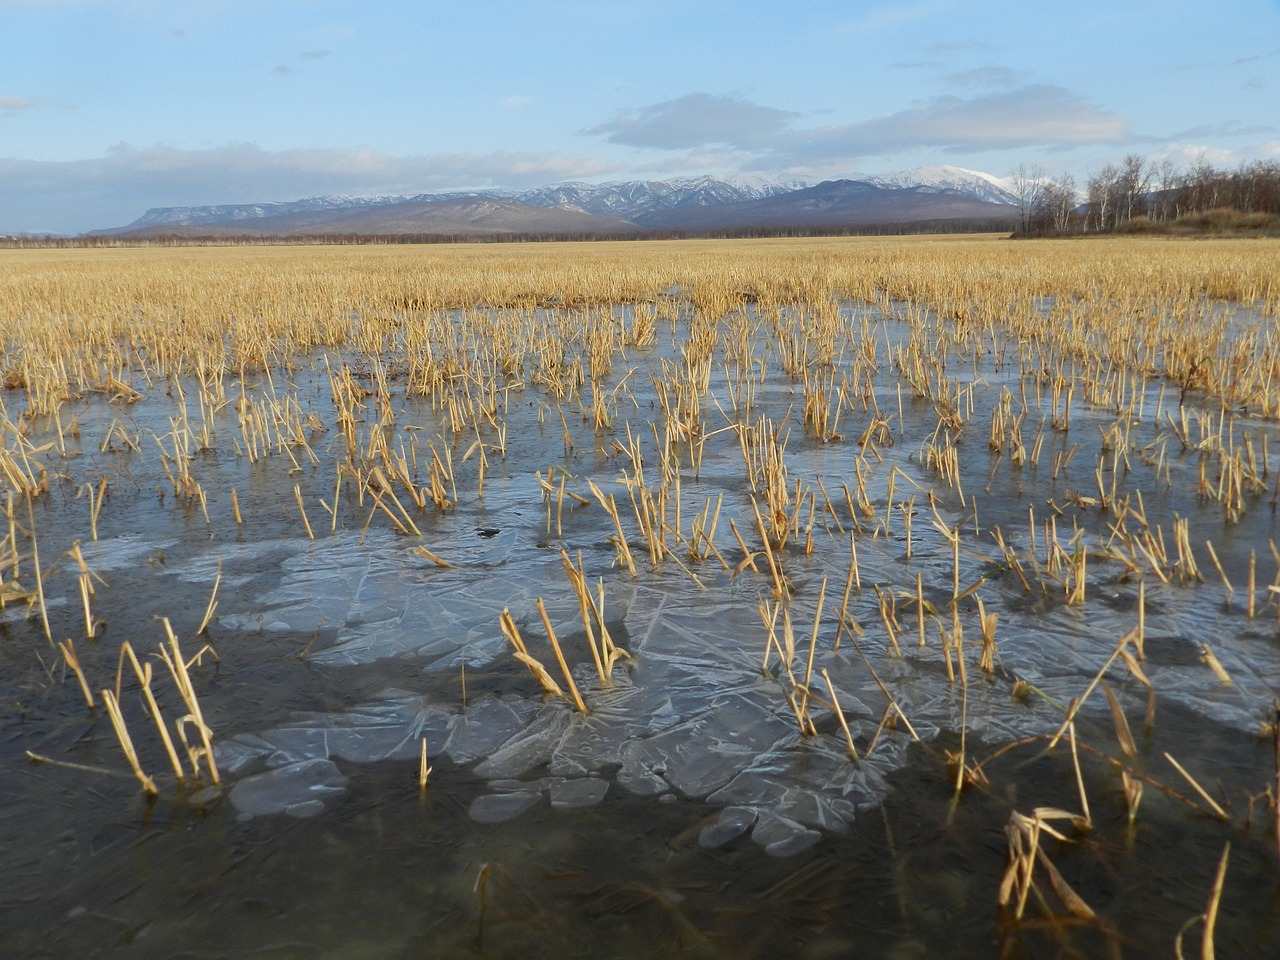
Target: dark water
685,814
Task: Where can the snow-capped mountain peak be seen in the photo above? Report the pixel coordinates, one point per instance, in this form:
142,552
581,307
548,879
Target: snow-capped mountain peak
984,186
677,203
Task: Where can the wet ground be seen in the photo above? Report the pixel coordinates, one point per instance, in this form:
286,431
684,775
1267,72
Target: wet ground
686,813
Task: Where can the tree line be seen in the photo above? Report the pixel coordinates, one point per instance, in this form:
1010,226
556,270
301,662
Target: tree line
1139,194
195,239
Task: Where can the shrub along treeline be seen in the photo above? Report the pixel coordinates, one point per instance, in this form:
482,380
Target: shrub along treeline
1140,196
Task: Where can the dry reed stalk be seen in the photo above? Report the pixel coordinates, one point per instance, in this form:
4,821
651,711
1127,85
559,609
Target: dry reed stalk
212,606
68,650
1212,662
893,703
379,505
1123,734
813,646
1209,918
85,580
987,622
1140,639
424,768
126,742
1148,723
434,558
509,630
143,673
845,620
1025,852
578,580
830,509
748,556
1214,806
769,615
779,581
1211,909
96,496
611,508
39,575
383,486
888,618
1253,578
172,658
1132,795
82,767
1075,764
564,667
920,610
844,724
1077,703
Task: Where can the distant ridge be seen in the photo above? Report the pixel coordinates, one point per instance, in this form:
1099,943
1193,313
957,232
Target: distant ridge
691,204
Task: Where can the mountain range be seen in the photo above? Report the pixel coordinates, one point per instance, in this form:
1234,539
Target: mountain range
686,205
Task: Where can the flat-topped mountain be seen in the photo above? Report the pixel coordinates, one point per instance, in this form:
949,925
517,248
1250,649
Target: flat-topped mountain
692,204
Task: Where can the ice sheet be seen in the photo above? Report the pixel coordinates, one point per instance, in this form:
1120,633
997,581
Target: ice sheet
692,714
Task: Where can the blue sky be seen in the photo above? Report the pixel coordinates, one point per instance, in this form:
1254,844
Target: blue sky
109,107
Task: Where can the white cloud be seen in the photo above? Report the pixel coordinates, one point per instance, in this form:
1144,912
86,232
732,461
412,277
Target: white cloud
1187,155
1030,116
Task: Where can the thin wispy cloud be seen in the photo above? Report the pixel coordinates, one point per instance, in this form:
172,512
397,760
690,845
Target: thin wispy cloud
988,77
947,47
1228,128
21,104
1257,58
894,16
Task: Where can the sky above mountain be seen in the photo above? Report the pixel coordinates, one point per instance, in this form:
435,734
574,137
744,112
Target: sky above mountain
109,107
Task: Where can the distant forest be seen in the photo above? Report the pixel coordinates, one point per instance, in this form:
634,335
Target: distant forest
1142,196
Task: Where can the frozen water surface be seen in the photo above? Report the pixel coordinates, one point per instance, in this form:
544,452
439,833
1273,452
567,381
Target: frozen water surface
691,712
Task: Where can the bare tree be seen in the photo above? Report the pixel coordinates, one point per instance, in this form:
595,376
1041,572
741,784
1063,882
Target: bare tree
1058,203
1101,193
1132,185
1165,177
1028,187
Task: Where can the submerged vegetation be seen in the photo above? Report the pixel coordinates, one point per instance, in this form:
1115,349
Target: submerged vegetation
1004,511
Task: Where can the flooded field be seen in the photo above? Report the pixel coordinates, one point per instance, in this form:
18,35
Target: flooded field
821,598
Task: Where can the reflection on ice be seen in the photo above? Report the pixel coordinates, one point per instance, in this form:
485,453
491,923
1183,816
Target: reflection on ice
298,789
